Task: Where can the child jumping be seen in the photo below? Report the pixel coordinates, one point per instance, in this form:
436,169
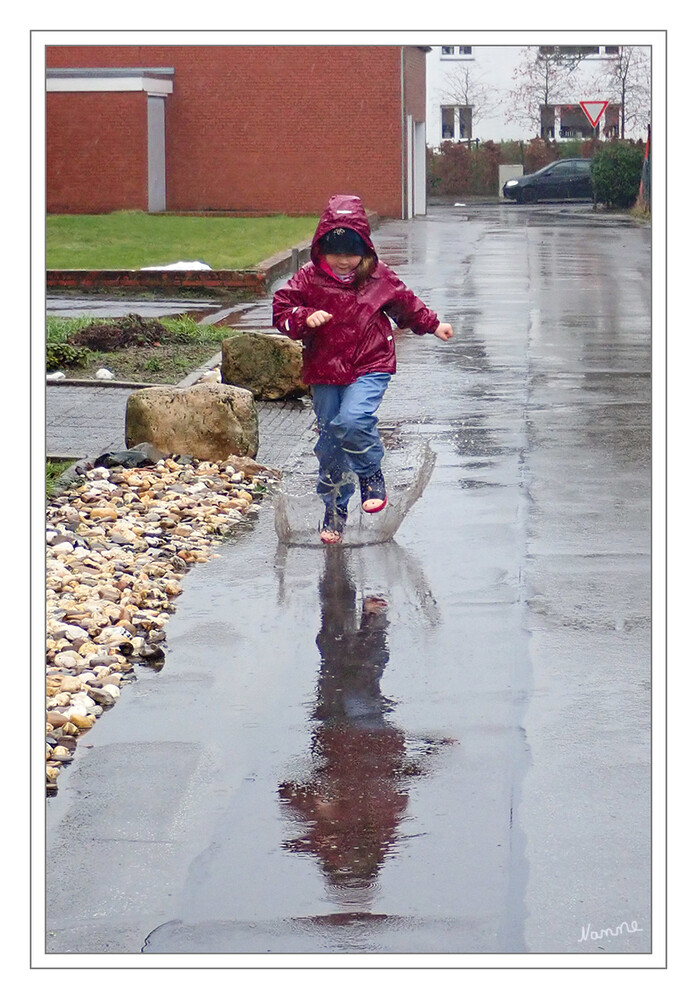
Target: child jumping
340,305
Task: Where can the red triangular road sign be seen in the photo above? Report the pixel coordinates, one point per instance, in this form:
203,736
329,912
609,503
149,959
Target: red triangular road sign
593,110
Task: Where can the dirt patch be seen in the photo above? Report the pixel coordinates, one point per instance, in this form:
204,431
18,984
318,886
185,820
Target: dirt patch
166,364
130,331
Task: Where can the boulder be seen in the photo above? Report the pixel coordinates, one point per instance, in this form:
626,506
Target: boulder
208,422
269,365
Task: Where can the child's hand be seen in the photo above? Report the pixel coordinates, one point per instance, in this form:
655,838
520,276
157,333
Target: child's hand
443,331
318,318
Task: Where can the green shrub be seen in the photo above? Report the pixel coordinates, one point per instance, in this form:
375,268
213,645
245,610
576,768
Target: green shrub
60,353
616,173
63,355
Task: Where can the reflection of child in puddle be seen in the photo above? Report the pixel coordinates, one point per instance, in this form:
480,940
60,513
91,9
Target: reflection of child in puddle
354,800
353,661
356,793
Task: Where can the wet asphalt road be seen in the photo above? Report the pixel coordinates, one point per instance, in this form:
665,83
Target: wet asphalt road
436,745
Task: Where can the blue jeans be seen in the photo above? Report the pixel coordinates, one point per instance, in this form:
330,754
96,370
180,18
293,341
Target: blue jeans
348,437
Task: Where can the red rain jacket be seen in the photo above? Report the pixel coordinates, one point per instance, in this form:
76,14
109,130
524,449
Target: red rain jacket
358,339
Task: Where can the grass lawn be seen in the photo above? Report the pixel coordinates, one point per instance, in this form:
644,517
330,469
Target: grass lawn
130,240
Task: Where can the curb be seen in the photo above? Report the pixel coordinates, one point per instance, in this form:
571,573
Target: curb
190,379
250,282
101,383
194,376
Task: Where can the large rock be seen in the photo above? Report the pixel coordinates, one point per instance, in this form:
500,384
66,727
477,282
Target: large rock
267,364
208,422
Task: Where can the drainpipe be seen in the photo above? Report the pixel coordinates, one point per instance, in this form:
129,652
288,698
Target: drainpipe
403,133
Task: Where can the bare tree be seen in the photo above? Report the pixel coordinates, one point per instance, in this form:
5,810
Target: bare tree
464,87
626,79
540,79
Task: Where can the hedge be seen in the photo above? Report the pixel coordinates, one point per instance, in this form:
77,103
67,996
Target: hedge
456,168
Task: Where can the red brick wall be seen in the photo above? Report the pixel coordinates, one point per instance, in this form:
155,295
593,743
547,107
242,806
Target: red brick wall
96,152
415,83
275,128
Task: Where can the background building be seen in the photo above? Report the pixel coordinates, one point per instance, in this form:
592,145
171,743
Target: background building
235,128
498,92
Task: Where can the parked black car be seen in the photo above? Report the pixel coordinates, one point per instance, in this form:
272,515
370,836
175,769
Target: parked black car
567,178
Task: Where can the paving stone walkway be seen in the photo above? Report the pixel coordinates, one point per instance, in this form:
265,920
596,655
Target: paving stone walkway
85,421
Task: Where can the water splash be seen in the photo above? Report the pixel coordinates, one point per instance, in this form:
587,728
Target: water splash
298,511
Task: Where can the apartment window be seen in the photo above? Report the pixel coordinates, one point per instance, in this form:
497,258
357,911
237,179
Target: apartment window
611,129
579,50
547,121
455,51
612,50
465,123
573,123
456,122
571,51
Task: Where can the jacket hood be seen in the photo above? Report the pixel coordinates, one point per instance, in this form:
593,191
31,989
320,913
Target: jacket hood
342,210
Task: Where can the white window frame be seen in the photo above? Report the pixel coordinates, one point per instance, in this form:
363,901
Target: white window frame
457,128
457,53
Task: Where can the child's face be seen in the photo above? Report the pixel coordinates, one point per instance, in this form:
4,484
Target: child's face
342,263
